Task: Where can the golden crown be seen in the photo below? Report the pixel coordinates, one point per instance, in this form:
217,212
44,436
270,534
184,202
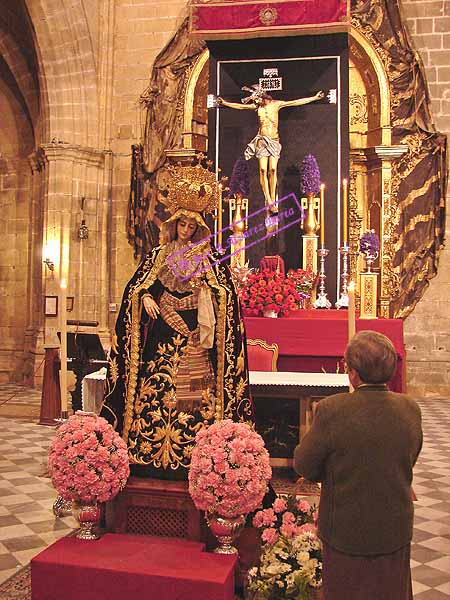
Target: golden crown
193,187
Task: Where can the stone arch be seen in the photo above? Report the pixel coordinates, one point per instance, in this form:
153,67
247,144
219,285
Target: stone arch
13,57
67,71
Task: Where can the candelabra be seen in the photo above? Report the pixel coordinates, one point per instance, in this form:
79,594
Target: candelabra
343,298
322,300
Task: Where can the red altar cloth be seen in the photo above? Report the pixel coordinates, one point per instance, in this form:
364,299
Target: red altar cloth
250,18
315,340
124,566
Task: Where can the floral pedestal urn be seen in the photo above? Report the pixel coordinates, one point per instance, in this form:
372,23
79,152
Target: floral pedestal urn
88,516
88,464
229,473
226,530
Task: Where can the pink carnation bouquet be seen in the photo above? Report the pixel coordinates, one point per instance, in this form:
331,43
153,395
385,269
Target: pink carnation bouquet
229,469
291,556
88,460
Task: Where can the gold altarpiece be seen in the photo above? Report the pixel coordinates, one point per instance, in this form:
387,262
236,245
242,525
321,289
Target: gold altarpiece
386,146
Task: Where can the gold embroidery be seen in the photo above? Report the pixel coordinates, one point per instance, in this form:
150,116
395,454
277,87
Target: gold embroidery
133,352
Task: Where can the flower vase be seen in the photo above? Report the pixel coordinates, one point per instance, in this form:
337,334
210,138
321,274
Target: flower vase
88,516
226,530
270,313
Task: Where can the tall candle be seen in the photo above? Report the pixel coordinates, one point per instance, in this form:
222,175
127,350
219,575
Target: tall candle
219,220
63,346
344,211
351,310
322,215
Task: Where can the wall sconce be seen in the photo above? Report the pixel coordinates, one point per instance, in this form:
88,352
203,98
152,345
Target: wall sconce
83,231
49,263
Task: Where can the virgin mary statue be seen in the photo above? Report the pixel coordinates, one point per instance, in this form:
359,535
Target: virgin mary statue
178,361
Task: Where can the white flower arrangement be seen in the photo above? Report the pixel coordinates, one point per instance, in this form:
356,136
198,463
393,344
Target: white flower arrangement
291,558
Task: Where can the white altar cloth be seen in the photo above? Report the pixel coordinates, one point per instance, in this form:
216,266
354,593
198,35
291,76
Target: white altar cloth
93,385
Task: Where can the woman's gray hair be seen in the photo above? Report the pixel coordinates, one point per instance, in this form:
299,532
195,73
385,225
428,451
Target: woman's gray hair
372,355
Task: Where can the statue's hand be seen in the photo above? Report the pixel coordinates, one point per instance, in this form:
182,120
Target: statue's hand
320,95
151,307
219,101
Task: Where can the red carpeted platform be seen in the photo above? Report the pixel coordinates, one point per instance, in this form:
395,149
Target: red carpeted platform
124,566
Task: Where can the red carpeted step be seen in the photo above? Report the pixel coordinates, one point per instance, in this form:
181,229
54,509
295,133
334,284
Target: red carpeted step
123,566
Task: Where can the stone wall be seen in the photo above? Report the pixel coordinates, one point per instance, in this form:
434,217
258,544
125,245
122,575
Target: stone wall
427,329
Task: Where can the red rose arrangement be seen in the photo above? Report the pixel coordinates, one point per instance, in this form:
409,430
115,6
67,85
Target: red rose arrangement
271,291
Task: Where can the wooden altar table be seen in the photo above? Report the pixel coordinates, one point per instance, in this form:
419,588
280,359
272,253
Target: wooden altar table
315,340
305,388
299,386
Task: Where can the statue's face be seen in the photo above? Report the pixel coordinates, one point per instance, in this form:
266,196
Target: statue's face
186,228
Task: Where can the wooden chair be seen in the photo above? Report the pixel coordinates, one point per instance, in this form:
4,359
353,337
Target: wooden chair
261,355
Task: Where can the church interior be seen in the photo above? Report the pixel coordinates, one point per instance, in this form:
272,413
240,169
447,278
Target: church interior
116,114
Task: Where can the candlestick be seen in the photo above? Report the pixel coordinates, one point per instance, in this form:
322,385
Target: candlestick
322,300
322,215
343,298
344,210
351,310
63,347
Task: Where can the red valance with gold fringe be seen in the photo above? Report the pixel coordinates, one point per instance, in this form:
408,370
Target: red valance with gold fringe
215,19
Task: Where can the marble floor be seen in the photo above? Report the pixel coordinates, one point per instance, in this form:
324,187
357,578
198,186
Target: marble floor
27,524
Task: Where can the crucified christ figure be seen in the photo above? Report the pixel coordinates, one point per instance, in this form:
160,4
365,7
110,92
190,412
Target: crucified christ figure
265,146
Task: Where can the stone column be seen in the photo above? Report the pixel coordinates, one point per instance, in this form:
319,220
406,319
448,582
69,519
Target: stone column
76,189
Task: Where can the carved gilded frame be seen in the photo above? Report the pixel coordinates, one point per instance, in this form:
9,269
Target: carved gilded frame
372,190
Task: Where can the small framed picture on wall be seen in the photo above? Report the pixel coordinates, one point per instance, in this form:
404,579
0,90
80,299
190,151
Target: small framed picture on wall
51,306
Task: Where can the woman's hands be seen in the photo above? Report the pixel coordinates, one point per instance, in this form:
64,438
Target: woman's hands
151,307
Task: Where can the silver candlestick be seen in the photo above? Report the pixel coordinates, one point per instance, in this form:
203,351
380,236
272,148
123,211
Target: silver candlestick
322,300
343,298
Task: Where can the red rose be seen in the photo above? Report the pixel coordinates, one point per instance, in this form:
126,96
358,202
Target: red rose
278,298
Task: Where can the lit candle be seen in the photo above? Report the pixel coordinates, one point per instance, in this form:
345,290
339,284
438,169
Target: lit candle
322,215
351,310
344,211
63,347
